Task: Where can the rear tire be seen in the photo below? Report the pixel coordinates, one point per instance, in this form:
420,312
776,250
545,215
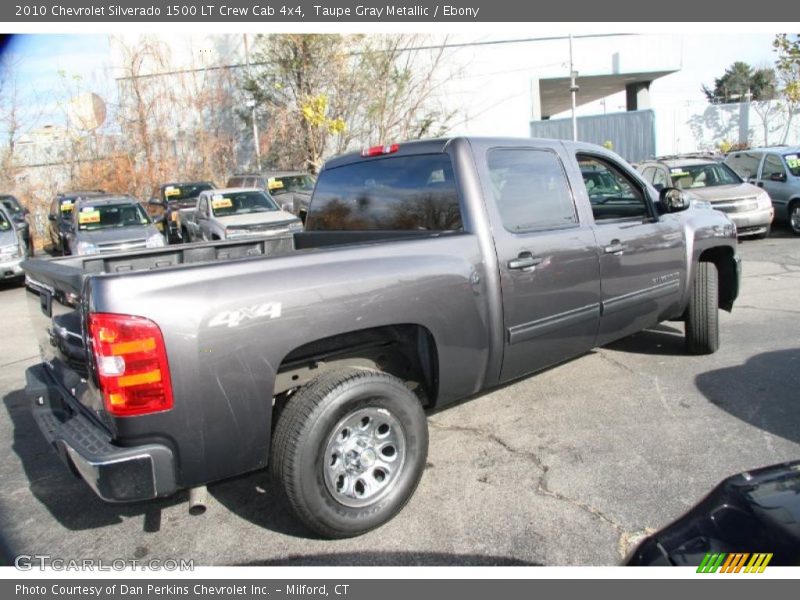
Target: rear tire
702,318
349,449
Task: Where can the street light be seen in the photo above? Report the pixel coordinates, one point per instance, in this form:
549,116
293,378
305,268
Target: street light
573,88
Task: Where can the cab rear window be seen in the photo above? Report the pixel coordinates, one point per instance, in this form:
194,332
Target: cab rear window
399,193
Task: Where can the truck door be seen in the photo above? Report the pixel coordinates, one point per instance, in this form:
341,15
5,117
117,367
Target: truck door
549,268
642,255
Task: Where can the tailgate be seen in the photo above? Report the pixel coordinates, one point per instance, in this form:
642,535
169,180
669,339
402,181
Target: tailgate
53,289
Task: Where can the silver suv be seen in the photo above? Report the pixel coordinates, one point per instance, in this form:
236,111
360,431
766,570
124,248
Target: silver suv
776,170
708,180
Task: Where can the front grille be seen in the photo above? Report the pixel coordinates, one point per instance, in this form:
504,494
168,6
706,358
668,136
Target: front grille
121,247
738,205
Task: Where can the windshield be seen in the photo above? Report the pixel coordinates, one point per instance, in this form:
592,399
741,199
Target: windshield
12,204
698,176
241,203
108,216
291,183
793,162
180,192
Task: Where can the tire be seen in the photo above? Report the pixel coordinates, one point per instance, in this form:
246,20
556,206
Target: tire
794,217
348,450
702,318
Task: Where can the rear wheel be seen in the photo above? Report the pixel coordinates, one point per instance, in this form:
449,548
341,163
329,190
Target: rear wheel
349,450
702,318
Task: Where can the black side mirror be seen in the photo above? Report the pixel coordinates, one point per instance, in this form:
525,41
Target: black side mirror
672,200
778,177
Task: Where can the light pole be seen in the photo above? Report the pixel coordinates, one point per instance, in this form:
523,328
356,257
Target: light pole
573,88
252,106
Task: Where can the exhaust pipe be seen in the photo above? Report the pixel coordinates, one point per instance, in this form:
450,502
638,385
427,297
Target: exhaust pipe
197,500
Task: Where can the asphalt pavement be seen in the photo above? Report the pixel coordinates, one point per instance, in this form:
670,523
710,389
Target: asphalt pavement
568,467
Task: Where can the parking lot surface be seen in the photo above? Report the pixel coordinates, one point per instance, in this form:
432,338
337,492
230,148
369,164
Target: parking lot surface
568,467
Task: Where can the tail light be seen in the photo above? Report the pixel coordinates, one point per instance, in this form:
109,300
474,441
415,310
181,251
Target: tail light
379,150
132,366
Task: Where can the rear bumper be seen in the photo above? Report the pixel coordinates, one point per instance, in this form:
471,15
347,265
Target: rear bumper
115,473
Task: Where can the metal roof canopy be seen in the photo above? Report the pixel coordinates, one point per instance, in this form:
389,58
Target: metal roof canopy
555,93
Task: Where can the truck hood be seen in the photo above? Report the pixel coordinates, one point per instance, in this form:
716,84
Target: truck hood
117,235
261,218
723,193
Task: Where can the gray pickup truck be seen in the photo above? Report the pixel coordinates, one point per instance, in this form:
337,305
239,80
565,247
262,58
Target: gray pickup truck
429,272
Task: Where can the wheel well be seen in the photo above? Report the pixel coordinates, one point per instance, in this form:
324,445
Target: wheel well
790,204
406,351
722,257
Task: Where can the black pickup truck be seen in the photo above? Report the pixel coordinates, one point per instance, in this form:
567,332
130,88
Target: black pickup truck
429,272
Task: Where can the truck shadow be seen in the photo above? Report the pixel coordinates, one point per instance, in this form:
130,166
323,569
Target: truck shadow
662,339
71,502
762,392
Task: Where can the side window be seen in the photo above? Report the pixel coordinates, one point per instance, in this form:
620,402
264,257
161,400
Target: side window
659,179
773,168
745,164
531,190
648,174
612,193
202,206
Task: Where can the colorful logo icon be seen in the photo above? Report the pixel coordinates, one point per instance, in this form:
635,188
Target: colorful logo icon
734,563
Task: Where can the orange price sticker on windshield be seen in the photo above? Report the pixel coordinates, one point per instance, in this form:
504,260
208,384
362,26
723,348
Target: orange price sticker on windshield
88,216
66,206
221,203
274,184
172,191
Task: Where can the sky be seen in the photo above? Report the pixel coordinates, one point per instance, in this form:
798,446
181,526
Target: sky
492,89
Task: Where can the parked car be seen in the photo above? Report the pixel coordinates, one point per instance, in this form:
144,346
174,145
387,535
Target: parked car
777,171
291,189
12,247
711,181
171,200
111,224
20,216
430,271
60,217
237,212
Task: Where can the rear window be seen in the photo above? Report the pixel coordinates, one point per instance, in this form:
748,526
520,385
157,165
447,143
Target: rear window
391,194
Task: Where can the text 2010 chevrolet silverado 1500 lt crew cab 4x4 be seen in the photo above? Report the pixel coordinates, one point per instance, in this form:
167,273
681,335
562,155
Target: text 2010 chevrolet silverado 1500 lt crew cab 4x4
430,271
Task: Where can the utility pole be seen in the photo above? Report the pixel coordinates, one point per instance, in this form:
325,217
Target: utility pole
252,105
573,88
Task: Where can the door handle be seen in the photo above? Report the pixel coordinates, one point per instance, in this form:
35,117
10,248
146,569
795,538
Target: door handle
525,260
616,247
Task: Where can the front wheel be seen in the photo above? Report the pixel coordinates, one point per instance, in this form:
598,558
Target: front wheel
702,318
794,218
349,450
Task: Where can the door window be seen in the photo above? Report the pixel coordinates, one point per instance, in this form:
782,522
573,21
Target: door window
773,168
613,194
745,164
531,190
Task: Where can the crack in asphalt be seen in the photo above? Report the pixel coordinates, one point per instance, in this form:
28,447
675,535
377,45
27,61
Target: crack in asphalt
624,537
781,310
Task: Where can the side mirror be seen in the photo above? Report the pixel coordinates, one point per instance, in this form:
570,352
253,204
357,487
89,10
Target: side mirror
658,186
672,200
778,177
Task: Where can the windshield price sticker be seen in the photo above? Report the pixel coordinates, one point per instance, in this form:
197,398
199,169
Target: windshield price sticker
221,203
678,172
172,191
88,215
66,206
274,184
793,161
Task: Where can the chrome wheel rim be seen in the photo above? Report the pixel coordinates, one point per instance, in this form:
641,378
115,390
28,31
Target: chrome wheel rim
364,456
795,218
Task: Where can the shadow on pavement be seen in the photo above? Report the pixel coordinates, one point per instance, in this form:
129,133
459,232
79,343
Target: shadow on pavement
69,499
663,339
762,392
426,559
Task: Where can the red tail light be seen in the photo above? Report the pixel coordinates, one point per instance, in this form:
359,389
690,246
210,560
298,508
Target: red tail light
132,365
379,150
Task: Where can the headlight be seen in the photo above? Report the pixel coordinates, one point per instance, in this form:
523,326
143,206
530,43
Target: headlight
296,226
86,248
764,201
156,241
